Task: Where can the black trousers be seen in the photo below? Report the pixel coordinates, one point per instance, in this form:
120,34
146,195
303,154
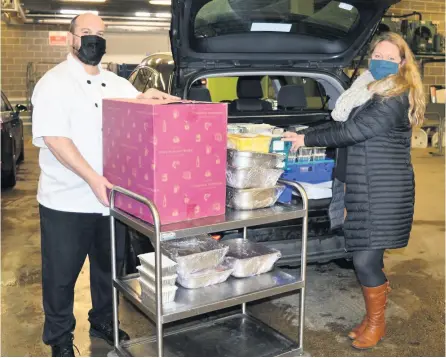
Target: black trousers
66,240
369,266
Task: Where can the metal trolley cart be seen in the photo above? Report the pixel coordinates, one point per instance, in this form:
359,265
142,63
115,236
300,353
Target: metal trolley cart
238,334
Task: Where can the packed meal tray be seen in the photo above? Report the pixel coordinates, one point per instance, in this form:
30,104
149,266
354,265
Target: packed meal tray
194,254
249,258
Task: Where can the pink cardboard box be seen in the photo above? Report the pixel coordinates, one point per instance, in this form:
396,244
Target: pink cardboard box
172,154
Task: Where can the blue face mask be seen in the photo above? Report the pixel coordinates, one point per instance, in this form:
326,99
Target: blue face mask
382,68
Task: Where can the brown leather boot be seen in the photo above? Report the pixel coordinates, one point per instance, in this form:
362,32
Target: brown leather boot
359,329
375,301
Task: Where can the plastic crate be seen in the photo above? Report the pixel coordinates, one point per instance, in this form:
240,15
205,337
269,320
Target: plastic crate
313,172
249,142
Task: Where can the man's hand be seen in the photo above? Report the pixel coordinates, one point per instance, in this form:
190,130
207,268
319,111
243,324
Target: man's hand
99,185
298,140
153,93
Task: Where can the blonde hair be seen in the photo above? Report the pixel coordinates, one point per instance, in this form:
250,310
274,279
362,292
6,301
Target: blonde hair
408,79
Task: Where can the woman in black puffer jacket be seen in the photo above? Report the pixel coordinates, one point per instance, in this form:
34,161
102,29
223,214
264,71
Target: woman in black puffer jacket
373,129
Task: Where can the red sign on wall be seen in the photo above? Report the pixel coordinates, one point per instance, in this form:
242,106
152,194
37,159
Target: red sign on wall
57,38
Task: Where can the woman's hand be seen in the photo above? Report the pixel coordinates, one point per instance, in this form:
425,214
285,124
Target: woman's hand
297,140
153,93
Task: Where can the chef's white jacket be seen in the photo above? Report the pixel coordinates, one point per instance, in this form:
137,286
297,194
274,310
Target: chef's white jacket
67,102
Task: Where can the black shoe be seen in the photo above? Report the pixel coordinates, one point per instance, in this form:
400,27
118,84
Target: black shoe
64,349
105,331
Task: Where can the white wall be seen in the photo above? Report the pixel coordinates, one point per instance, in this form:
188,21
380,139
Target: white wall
133,47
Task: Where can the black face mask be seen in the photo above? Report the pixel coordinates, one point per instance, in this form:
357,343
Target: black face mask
92,49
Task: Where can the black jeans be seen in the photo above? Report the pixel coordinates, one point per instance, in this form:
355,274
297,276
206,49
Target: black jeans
66,240
369,266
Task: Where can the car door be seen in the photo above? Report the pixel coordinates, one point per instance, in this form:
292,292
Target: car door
209,35
15,125
142,79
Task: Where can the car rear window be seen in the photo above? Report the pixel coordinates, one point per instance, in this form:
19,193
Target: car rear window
324,18
226,89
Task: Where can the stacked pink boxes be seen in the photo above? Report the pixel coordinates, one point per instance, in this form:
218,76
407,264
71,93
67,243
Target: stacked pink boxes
173,154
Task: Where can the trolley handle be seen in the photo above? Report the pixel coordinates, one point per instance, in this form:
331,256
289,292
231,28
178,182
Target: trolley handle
143,200
158,263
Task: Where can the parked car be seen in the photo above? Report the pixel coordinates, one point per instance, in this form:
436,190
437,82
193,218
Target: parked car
13,151
251,51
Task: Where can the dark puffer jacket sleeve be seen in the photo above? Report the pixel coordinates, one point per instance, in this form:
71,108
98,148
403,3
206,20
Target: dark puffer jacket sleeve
377,118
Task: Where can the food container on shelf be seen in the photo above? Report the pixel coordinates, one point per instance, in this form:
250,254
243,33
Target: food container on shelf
249,142
260,128
255,177
319,153
303,158
194,254
148,262
249,258
250,199
148,292
243,159
149,276
236,129
305,151
207,277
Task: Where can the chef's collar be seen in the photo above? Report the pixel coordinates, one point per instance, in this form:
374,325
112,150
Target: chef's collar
77,66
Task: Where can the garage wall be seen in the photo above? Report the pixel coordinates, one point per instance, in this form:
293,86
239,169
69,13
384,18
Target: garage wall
29,43
23,44
432,10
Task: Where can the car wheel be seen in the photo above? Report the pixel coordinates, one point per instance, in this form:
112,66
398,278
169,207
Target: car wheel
9,179
22,152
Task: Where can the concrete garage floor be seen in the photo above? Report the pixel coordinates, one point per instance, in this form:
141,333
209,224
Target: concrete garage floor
416,311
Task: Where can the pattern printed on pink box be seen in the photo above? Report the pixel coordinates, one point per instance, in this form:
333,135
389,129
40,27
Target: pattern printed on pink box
175,155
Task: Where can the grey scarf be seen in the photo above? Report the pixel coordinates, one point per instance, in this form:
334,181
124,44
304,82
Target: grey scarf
355,96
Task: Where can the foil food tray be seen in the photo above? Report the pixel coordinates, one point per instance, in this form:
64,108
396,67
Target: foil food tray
249,258
243,159
244,178
250,199
208,277
194,254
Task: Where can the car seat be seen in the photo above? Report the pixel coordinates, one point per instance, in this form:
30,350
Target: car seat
292,98
249,93
201,94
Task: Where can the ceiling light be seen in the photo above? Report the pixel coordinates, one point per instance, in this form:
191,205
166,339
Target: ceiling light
137,28
163,14
159,2
137,23
53,21
77,12
142,14
83,0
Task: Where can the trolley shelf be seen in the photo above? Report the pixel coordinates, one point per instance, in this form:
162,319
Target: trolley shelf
194,302
232,220
248,337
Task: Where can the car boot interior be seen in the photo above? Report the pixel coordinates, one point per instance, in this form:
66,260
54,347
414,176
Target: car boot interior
285,101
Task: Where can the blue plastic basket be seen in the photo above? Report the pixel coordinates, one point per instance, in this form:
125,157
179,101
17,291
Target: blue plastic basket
312,172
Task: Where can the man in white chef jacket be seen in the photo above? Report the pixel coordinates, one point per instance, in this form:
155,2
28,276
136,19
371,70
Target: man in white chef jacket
72,193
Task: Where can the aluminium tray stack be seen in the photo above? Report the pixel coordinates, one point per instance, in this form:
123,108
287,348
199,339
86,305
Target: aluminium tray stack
252,178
